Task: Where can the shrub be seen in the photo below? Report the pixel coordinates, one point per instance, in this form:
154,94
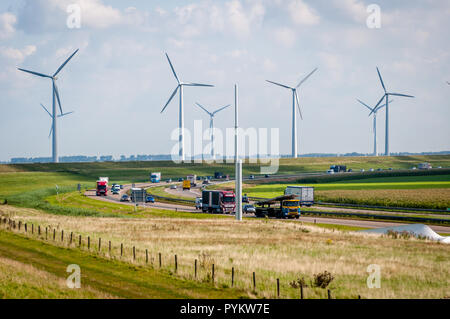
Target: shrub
299,282
322,280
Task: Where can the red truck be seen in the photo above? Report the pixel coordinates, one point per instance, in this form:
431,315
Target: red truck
102,186
222,202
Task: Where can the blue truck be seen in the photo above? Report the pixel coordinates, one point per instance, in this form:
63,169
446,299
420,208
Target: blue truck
155,177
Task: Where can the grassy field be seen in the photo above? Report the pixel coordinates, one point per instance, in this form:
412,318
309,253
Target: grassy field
272,249
33,269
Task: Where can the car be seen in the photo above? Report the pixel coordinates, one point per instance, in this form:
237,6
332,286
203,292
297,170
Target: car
198,203
249,209
266,176
414,168
149,199
173,186
180,179
115,191
379,169
439,167
169,180
391,169
125,198
245,199
372,170
121,186
252,176
199,178
330,171
362,170
350,170
205,182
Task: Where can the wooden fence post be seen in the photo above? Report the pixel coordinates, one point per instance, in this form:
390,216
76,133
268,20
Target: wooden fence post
301,291
20,224
99,243
329,294
160,261
25,227
46,232
62,235
89,242
176,264
134,253
70,240
109,247
195,269
39,230
212,273
32,228
278,288
146,256
254,281
54,234
121,249
232,276
79,241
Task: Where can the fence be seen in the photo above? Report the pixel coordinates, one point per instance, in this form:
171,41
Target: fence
196,269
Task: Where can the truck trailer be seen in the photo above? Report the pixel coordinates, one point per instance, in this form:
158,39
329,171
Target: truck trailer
305,194
286,206
102,186
222,202
192,179
155,177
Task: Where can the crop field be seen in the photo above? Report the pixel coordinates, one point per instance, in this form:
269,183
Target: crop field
411,268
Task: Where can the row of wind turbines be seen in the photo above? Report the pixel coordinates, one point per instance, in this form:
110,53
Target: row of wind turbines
180,88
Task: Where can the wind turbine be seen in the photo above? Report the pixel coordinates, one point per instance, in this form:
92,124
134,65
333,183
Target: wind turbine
295,101
386,96
55,95
211,123
51,116
181,118
375,111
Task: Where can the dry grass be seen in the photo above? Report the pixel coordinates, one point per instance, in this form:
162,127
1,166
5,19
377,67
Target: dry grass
273,249
437,197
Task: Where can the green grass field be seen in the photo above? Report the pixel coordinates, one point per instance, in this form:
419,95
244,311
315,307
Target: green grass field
38,270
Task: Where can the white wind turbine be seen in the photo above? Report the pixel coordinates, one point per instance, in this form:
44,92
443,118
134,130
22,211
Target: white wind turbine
295,101
386,96
211,124
374,111
181,115
55,95
51,116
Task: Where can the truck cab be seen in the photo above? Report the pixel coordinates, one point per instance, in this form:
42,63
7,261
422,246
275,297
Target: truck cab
291,208
186,185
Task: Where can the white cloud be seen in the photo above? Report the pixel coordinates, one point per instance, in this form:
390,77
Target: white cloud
353,8
302,14
18,55
7,22
242,21
285,36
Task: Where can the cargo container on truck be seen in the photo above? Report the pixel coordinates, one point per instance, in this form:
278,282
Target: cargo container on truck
192,179
155,177
305,194
222,202
286,206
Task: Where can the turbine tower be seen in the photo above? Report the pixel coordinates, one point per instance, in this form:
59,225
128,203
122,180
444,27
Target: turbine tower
211,124
386,96
375,148
295,101
181,115
55,95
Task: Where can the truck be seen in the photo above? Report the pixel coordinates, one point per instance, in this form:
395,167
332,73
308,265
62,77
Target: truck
102,186
286,206
425,166
192,179
155,177
186,185
338,168
218,201
218,175
305,194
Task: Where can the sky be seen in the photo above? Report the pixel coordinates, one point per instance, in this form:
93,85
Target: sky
119,81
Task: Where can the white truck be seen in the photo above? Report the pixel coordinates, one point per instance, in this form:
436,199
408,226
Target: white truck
192,179
305,194
155,177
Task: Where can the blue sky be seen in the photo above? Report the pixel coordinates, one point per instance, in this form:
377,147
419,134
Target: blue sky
119,81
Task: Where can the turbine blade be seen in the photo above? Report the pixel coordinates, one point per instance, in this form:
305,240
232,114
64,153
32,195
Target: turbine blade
35,73
398,94
282,85
306,78
173,70
64,64
298,105
198,84
221,109
46,110
68,113
381,106
57,97
365,104
381,79
376,106
171,97
204,109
